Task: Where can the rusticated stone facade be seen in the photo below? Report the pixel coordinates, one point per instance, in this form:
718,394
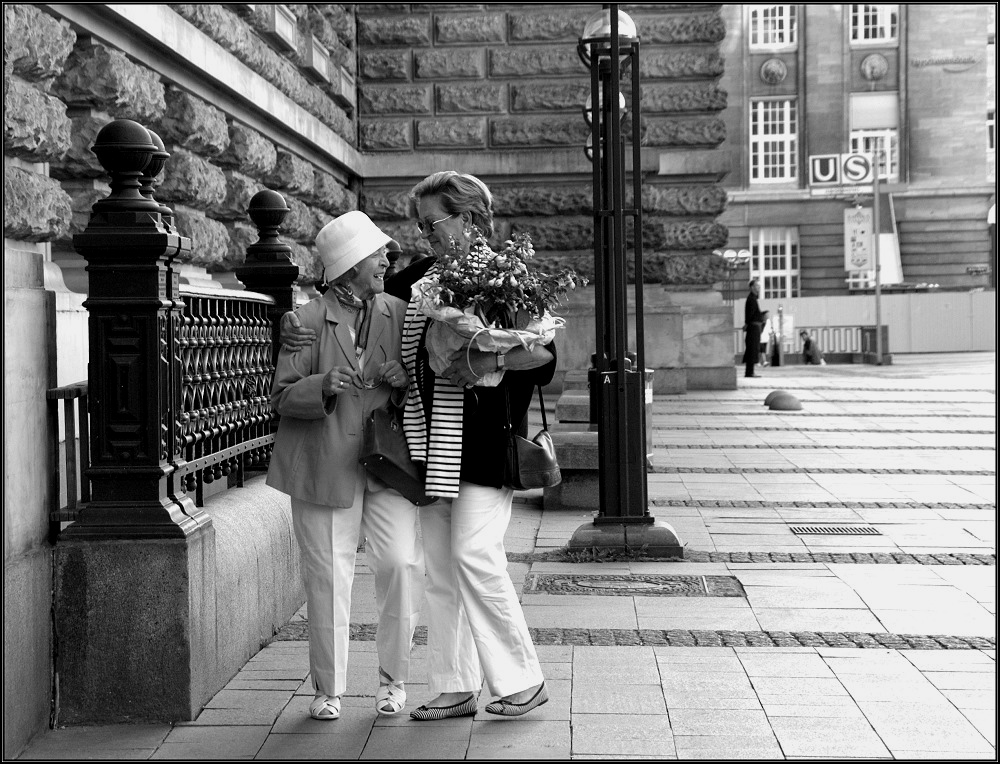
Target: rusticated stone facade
439,79
35,208
60,91
36,125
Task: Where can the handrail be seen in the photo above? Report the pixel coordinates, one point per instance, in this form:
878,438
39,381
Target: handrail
76,423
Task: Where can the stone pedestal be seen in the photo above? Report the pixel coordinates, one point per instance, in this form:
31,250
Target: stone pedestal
145,612
656,539
687,339
577,451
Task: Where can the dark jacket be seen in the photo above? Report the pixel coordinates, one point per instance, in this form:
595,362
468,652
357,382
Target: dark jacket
484,415
753,319
811,354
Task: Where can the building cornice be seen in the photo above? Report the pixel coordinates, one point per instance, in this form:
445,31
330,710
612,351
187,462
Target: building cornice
158,38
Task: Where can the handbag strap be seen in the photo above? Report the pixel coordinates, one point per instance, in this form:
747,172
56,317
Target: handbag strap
541,405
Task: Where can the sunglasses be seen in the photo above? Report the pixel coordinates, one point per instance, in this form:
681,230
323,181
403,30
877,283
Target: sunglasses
374,364
426,229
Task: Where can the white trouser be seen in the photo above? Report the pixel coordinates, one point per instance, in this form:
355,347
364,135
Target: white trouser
328,543
468,588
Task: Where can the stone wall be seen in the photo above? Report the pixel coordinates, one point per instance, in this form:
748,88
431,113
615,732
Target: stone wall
448,84
36,210
60,93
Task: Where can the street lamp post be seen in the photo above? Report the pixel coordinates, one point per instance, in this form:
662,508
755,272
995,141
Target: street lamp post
610,49
734,261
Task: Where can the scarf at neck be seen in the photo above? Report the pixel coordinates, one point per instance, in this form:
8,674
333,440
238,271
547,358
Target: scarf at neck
434,440
360,309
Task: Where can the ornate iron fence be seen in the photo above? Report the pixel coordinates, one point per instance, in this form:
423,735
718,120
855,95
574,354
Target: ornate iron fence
225,421
179,379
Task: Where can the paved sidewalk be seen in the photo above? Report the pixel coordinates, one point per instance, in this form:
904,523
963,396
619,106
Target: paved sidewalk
873,636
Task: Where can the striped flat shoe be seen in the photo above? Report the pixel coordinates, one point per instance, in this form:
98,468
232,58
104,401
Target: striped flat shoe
504,707
466,708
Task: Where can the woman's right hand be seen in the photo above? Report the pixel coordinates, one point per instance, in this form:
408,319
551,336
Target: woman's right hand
293,336
338,380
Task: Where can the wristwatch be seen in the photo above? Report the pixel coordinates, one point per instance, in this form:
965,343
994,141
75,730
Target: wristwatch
500,361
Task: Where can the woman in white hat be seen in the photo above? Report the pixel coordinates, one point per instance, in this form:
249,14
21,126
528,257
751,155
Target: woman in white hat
323,395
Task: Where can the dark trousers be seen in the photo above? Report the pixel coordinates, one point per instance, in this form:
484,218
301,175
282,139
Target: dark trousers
750,355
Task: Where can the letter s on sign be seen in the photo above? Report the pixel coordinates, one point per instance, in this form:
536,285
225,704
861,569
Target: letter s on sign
857,168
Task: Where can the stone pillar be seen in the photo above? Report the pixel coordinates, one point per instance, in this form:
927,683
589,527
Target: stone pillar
686,197
135,574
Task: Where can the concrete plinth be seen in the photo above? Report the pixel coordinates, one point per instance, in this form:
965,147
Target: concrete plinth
136,628
687,339
655,539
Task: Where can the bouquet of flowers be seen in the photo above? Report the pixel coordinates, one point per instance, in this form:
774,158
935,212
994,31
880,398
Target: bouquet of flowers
491,301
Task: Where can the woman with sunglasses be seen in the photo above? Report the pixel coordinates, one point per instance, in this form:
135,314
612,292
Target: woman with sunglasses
323,394
475,624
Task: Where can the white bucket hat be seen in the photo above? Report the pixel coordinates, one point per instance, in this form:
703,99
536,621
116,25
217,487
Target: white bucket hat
346,241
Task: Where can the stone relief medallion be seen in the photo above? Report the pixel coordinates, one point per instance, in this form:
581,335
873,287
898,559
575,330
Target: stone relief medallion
874,67
773,71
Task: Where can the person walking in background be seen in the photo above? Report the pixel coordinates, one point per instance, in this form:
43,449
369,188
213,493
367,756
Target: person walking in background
811,352
753,323
322,395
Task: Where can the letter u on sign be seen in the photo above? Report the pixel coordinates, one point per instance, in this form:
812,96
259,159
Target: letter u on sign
824,168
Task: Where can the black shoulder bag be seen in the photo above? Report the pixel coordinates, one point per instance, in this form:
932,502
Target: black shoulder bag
385,455
530,463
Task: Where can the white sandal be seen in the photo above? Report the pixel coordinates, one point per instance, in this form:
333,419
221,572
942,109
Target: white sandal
390,696
326,708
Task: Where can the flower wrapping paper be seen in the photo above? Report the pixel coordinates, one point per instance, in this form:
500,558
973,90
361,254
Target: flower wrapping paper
453,329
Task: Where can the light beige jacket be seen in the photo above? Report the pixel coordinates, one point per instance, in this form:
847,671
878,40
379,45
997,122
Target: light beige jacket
318,441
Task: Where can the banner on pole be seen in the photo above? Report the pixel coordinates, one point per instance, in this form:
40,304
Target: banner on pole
859,253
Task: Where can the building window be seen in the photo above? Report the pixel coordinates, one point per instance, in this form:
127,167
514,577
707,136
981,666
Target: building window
884,145
991,129
772,27
774,141
874,24
774,259
860,280
875,130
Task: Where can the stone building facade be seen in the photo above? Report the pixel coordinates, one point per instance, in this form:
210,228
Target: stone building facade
917,80
337,107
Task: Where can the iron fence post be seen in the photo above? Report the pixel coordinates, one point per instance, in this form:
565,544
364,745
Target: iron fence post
133,374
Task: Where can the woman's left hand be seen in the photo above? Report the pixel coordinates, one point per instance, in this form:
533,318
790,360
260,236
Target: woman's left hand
394,373
469,366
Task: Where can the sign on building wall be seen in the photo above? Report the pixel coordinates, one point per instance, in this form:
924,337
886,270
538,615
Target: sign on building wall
859,254
840,169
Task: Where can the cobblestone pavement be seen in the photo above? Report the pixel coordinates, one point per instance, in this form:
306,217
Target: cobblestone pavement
847,554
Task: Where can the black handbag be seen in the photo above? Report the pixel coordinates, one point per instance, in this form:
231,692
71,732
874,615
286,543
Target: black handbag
386,456
531,463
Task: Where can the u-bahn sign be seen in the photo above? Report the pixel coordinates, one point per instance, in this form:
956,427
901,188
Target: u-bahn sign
841,169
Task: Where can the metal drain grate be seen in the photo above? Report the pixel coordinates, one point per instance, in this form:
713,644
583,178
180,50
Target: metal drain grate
834,530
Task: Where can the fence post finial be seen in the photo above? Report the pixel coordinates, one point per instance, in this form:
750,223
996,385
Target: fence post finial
268,268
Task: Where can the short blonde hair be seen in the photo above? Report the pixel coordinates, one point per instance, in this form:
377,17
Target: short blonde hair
459,193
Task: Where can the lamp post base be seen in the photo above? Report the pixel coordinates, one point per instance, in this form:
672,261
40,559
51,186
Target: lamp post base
656,539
